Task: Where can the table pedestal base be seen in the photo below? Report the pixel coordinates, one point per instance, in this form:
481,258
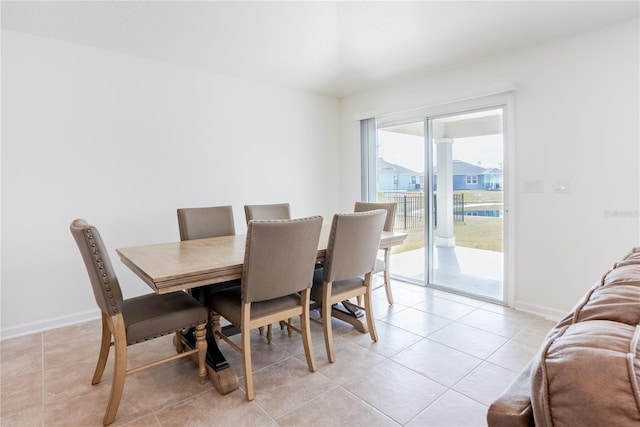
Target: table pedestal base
220,373
354,318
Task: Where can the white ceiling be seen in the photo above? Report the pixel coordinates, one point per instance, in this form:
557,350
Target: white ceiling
333,48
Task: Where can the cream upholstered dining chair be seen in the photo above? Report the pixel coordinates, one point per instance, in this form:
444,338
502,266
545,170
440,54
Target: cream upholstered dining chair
277,275
382,265
268,211
135,319
348,266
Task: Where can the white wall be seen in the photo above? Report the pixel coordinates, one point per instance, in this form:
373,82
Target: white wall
576,118
122,142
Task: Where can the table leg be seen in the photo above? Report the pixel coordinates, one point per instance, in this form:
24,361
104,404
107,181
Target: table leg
350,314
220,373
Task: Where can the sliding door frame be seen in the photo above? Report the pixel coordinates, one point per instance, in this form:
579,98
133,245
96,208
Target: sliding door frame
504,99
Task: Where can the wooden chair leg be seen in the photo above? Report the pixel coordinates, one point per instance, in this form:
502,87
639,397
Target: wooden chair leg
201,345
119,371
245,333
305,328
387,288
368,308
105,344
246,356
387,281
179,346
261,330
284,324
269,333
328,336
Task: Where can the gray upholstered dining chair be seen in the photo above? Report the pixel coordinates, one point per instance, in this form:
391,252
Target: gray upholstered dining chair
271,211
202,223
268,211
135,319
277,275
382,265
348,267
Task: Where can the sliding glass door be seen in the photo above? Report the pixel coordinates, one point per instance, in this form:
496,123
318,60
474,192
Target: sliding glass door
445,173
400,178
467,227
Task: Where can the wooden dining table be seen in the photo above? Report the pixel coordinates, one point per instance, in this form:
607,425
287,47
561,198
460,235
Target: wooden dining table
176,266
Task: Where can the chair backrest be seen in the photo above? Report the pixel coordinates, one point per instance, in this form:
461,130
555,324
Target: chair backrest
280,257
353,244
104,282
201,223
371,206
272,211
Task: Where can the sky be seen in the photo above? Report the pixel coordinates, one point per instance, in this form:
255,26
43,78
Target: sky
408,150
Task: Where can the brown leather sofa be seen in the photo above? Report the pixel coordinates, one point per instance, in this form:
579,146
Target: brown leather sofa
587,371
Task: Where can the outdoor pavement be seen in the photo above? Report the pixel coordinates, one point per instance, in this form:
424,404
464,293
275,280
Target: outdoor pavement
463,270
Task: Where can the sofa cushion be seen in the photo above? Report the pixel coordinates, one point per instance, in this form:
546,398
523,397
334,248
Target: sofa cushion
623,272
615,297
587,374
620,303
513,407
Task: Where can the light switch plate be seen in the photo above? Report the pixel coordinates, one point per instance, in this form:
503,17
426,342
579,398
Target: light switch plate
561,186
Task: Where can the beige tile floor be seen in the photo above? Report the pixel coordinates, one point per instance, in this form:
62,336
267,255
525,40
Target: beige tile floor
441,359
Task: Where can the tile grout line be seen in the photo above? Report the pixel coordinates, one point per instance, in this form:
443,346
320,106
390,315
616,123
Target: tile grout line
384,358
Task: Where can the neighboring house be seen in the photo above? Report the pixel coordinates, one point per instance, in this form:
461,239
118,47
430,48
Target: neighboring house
493,179
392,177
466,176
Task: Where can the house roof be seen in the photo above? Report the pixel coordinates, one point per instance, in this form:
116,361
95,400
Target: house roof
493,171
464,168
385,167
459,168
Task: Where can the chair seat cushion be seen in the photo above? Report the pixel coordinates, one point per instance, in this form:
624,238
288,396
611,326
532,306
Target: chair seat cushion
149,316
337,287
228,304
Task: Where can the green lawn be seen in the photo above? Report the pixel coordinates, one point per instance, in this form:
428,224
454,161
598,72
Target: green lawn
481,196
480,232
475,232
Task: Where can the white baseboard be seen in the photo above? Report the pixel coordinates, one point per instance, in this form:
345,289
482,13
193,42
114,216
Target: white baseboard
45,325
539,310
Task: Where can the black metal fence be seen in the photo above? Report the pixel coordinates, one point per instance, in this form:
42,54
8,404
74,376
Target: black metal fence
410,210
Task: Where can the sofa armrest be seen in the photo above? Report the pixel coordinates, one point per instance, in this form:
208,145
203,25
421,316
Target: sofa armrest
513,407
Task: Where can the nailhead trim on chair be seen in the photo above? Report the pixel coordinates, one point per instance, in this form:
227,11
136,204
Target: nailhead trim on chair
98,261
107,285
162,334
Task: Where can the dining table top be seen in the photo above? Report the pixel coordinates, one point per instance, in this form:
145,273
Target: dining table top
169,267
